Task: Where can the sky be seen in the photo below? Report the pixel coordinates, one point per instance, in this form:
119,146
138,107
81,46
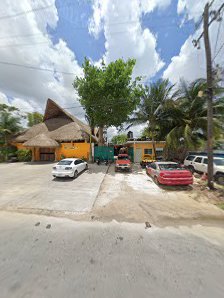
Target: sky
43,44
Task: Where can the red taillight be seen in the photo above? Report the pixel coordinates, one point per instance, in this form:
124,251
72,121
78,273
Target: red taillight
161,174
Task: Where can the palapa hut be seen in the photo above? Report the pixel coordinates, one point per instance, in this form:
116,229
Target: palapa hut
60,135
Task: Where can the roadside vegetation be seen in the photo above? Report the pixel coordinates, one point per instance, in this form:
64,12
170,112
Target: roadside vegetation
111,96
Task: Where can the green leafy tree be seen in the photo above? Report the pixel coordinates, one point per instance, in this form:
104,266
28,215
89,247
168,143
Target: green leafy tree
186,118
34,118
119,139
9,125
108,93
153,100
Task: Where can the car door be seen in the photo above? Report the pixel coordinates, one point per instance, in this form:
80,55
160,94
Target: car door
149,169
78,166
82,164
205,165
198,164
153,169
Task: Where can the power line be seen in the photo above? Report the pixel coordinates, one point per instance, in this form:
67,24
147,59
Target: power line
218,52
216,14
24,44
36,68
25,12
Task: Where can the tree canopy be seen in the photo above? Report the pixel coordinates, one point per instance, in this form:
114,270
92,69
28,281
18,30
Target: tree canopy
119,139
108,93
34,118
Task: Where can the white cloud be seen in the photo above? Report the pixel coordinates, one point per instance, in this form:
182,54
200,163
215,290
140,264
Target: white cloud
29,88
125,37
3,98
190,64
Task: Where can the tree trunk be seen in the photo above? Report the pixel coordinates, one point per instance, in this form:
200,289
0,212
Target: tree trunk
6,148
101,138
153,141
90,152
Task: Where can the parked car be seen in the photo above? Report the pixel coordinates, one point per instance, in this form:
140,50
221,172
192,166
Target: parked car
147,159
122,163
69,167
199,164
169,173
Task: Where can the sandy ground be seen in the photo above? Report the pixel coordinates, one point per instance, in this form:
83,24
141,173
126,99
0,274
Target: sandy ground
135,197
43,256
101,195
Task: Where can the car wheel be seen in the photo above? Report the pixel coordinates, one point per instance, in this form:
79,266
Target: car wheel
75,174
191,168
86,168
220,179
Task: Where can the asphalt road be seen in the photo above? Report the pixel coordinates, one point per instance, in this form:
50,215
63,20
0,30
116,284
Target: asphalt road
50,257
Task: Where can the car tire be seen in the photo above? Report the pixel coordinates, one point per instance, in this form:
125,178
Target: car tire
191,168
75,174
220,179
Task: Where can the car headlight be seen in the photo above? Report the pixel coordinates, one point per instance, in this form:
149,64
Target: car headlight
68,168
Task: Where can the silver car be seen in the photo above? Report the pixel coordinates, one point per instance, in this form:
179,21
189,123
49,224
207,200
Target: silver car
69,167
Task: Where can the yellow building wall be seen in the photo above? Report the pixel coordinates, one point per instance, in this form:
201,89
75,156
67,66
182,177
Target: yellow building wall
20,146
144,146
80,150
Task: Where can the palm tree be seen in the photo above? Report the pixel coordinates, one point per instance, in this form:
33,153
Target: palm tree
153,99
9,125
187,116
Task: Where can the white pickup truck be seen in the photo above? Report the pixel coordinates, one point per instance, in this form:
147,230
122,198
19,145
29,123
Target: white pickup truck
197,163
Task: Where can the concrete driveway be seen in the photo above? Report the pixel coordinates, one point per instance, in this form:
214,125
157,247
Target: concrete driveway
31,186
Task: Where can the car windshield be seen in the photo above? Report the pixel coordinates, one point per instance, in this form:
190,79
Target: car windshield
219,162
123,158
170,166
65,162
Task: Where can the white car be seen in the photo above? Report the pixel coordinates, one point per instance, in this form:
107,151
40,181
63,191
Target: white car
199,163
69,167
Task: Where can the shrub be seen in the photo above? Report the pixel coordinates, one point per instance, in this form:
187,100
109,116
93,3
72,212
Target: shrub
6,152
24,155
62,156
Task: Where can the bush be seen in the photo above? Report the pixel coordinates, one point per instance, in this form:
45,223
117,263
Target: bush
6,152
62,156
24,155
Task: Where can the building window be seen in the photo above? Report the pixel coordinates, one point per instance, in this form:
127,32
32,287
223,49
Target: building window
159,152
147,151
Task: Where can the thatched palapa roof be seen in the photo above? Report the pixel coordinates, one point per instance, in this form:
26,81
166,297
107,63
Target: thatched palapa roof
58,125
41,140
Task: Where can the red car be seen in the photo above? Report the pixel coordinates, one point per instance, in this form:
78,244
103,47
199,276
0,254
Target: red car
169,173
123,163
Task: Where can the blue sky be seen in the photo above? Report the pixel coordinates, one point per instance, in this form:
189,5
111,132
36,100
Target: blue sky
73,23
57,37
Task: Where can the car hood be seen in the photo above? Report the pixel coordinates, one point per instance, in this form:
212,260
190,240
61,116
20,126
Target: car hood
219,168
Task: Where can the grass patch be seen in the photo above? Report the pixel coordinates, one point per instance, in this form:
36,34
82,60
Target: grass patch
220,205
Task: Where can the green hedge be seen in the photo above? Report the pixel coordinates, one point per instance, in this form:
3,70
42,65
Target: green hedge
24,155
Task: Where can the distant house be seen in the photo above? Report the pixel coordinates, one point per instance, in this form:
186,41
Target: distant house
137,149
60,135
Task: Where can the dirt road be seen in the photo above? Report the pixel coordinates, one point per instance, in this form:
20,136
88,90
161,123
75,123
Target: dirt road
135,197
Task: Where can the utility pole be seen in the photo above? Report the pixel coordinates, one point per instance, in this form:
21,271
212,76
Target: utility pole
209,96
215,15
